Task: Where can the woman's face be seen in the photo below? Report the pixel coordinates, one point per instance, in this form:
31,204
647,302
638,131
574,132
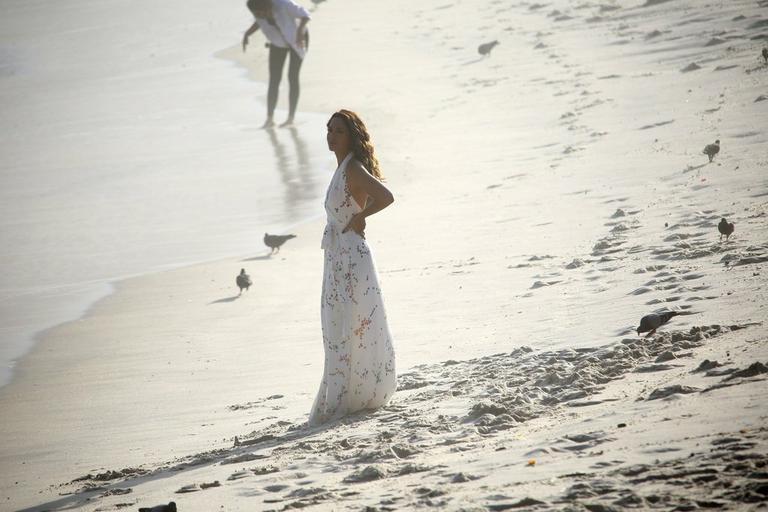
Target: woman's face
339,138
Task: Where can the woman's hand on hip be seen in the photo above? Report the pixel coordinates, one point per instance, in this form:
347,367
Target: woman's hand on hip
301,34
356,224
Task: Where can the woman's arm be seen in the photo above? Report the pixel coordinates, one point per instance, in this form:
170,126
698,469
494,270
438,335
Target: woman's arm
296,11
364,186
253,28
300,30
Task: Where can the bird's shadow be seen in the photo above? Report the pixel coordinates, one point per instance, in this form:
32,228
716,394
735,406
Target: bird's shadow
691,168
475,61
258,258
225,299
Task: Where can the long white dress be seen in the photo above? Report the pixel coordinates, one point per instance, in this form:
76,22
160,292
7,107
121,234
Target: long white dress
359,369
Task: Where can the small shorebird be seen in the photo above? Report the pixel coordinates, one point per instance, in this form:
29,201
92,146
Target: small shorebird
275,241
243,280
171,507
649,323
712,149
765,55
725,228
485,48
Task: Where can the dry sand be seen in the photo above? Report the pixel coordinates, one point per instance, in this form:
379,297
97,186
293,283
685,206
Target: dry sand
547,196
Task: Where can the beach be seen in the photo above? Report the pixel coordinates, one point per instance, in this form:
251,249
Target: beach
547,196
110,131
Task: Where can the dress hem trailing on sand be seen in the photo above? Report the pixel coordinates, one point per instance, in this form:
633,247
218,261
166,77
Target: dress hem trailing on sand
359,371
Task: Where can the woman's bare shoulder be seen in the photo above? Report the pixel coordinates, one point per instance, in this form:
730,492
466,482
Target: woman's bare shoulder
356,168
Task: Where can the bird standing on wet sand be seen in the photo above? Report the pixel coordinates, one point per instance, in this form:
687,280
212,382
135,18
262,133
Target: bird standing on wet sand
712,149
485,48
725,228
171,507
765,55
275,241
649,323
243,281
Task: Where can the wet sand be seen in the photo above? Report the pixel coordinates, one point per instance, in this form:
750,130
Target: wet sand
548,195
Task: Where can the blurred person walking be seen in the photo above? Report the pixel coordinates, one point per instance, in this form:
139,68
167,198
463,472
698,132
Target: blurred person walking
284,24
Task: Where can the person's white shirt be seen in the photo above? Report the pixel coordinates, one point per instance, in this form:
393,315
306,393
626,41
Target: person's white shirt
282,34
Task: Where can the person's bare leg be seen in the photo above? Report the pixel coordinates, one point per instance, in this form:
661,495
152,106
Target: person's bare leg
294,66
277,58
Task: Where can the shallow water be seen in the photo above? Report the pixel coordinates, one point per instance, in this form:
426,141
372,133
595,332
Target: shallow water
129,148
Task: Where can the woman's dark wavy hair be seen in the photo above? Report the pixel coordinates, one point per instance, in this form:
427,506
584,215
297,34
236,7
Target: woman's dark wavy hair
361,141
258,5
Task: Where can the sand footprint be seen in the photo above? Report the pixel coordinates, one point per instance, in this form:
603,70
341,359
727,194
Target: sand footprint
199,487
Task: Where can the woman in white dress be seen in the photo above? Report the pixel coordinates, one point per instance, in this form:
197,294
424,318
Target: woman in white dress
359,369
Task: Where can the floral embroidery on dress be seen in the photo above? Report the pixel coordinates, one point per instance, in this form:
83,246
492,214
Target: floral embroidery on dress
359,370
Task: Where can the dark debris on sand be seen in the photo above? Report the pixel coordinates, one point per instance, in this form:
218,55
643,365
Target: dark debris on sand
732,474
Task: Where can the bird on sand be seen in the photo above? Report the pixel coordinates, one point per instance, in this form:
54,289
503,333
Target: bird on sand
171,507
725,228
649,323
243,280
485,48
275,241
765,55
712,149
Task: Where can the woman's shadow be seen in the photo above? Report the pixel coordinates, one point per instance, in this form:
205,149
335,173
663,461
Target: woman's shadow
280,439
294,167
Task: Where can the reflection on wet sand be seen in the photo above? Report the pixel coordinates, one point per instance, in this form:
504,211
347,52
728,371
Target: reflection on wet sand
295,169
